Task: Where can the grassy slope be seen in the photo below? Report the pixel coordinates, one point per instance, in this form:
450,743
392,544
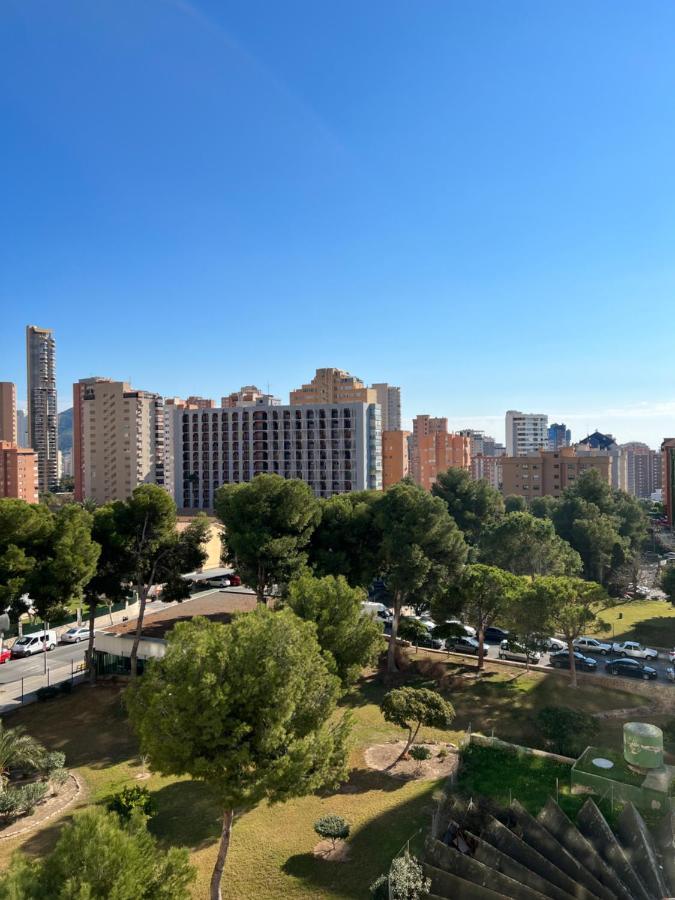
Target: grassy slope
271,849
650,621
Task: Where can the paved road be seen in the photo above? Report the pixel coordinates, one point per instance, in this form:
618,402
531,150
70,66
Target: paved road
59,658
661,664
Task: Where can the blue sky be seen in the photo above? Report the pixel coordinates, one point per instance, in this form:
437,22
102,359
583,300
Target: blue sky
473,200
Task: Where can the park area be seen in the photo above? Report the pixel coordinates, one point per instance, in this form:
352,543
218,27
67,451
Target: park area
272,847
651,622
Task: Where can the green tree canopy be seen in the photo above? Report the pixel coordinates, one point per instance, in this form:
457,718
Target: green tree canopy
668,582
268,525
411,708
422,548
346,540
96,857
25,532
515,503
483,595
525,545
563,605
350,636
247,708
473,504
141,545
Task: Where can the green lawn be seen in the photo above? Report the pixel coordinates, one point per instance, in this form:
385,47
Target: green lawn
271,850
651,622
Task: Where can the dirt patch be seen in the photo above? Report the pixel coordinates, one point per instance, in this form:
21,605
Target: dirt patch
381,757
47,809
325,850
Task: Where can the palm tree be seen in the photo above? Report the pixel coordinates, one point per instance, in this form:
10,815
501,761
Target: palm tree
17,749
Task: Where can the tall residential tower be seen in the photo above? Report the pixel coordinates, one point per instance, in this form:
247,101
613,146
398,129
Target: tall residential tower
42,417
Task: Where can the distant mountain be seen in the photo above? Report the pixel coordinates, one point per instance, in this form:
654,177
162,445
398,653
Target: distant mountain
66,430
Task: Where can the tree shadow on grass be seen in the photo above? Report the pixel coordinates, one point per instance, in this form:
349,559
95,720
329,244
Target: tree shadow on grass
658,630
371,849
364,780
41,841
188,815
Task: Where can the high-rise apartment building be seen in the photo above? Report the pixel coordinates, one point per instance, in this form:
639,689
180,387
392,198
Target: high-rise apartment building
333,386
547,473
78,432
18,472
395,457
643,467
435,450
122,440
8,425
668,477
42,416
487,468
249,395
201,403
559,435
21,428
525,432
389,399
332,447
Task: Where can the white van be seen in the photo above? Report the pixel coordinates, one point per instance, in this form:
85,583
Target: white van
34,643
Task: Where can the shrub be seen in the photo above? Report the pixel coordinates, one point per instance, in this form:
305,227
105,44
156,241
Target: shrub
333,828
407,880
9,803
29,795
566,731
47,693
52,760
419,754
58,777
442,753
380,888
669,733
135,798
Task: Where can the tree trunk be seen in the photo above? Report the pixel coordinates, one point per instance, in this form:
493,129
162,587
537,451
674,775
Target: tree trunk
90,645
409,743
481,646
391,652
573,665
142,600
217,877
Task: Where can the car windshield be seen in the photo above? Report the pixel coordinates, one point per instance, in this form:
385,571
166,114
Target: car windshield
22,641
73,630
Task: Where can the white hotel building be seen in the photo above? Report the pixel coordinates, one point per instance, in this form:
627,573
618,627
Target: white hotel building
333,447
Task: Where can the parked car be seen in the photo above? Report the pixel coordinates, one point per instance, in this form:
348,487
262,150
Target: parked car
495,635
5,655
630,668
671,655
634,650
555,645
34,643
581,662
75,634
431,642
592,645
514,650
468,630
377,611
465,645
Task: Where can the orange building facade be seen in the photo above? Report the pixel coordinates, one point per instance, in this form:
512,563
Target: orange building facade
18,472
436,450
395,457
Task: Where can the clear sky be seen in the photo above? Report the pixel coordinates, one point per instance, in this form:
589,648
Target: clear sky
474,200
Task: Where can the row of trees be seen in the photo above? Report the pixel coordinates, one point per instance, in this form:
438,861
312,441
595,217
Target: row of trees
419,545
73,554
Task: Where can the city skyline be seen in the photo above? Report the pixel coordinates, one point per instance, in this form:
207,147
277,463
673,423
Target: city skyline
284,193
641,422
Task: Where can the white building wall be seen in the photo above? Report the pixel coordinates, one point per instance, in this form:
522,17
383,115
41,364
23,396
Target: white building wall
525,432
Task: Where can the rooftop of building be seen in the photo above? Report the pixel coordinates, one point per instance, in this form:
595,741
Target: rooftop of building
218,606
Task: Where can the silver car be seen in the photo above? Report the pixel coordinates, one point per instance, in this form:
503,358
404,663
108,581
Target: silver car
518,653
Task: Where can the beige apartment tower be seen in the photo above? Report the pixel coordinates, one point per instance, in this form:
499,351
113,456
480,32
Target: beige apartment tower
547,473
8,429
18,472
333,386
122,440
395,461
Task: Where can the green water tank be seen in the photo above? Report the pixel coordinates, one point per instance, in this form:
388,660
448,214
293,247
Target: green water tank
642,745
